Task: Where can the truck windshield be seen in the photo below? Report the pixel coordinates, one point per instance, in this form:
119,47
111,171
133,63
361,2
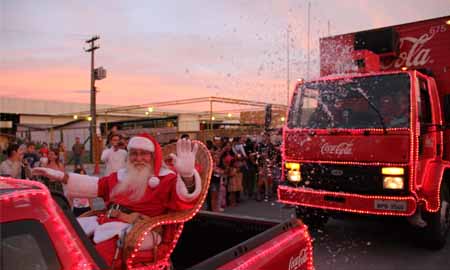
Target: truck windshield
381,101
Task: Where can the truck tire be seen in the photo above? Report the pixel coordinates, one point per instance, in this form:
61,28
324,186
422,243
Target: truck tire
314,218
438,226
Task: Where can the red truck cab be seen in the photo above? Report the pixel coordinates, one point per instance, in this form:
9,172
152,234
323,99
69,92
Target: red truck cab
38,231
371,136
37,234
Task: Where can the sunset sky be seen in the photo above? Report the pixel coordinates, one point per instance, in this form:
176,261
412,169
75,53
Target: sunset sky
166,50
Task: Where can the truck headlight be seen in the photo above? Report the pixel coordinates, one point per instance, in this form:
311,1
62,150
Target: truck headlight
294,176
393,182
293,173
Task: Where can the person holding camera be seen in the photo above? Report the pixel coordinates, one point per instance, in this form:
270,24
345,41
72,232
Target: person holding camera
114,157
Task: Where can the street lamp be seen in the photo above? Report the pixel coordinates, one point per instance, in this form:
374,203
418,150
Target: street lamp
89,118
75,117
150,109
229,115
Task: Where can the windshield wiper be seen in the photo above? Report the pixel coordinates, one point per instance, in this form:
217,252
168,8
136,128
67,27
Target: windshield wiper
380,117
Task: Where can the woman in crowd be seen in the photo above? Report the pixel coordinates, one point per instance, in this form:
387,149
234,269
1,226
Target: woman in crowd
55,164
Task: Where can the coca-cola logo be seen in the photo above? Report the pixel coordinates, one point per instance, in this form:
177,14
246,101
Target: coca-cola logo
413,50
345,148
295,262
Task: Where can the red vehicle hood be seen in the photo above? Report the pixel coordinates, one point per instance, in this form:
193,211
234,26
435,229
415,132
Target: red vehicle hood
386,148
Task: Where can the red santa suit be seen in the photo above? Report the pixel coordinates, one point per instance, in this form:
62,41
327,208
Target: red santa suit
165,192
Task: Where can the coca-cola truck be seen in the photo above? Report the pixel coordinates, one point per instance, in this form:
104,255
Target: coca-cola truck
39,231
371,136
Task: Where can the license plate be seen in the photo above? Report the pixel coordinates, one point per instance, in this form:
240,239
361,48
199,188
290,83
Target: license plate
390,205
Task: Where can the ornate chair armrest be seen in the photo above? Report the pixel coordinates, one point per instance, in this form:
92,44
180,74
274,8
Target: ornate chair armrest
143,225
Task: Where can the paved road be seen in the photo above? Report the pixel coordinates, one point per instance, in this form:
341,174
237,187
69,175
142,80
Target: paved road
356,244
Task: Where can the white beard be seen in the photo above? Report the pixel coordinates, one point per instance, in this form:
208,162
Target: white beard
135,183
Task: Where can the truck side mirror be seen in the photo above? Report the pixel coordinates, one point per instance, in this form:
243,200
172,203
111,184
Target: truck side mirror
447,108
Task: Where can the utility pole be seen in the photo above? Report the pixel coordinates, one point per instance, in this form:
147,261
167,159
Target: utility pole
307,63
93,123
288,79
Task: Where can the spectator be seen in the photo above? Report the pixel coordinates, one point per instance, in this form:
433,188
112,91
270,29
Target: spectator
226,158
265,158
210,145
235,182
78,151
31,156
214,187
53,163
249,173
43,151
114,130
217,142
123,144
114,157
13,166
62,153
238,147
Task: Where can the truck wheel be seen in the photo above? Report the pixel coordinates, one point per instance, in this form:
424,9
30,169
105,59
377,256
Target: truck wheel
314,218
438,226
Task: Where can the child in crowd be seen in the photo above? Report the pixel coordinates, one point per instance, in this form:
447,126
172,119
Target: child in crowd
235,182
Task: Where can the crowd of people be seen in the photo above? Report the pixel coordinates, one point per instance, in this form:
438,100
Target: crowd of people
243,169
246,167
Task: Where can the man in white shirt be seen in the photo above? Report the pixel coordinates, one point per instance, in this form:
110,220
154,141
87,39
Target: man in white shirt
114,157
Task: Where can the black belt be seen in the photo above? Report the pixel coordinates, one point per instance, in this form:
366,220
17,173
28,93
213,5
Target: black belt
116,206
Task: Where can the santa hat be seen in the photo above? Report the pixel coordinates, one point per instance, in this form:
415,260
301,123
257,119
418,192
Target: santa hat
146,142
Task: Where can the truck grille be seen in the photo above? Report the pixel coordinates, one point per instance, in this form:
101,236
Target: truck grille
364,180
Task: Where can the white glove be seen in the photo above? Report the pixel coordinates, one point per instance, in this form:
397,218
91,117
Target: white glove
184,160
49,173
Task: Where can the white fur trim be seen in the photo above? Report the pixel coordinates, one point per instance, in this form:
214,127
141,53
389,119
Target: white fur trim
141,143
81,186
111,229
182,191
165,171
55,174
88,224
153,182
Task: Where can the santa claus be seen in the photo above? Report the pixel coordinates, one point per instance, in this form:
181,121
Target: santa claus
146,186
